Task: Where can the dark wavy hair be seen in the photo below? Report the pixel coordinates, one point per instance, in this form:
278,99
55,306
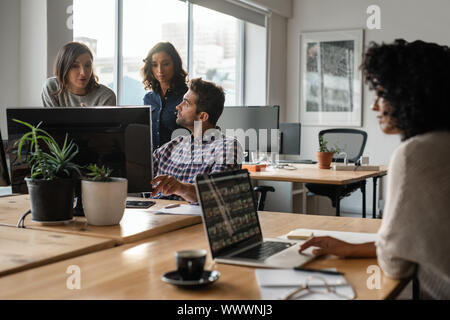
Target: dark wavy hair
211,98
63,62
414,77
179,75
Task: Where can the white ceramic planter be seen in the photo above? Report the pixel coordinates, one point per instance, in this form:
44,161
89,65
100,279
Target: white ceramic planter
104,202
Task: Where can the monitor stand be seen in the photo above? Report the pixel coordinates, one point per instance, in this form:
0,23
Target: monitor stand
78,209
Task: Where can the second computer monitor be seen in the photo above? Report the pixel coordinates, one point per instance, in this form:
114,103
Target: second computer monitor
253,118
290,138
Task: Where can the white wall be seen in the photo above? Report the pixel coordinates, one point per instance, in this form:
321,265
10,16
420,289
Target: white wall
255,62
276,59
33,51
408,19
9,57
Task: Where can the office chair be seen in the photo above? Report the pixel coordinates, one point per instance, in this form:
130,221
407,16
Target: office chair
262,195
352,142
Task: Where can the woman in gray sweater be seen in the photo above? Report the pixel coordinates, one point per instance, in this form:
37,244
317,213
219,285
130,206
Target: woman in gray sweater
74,83
412,84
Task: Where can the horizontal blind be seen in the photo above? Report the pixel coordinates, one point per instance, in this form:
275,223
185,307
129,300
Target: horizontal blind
236,8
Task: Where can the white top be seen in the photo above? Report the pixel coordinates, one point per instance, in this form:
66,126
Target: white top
415,231
100,96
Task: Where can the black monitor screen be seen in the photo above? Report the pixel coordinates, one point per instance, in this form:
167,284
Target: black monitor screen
4,176
116,137
290,138
263,119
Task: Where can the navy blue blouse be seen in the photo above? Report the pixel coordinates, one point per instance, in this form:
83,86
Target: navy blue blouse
164,114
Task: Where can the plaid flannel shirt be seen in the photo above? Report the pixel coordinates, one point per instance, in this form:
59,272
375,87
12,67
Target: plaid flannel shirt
184,157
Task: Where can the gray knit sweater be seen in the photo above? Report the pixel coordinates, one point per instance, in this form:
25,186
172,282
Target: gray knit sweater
100,96
415,231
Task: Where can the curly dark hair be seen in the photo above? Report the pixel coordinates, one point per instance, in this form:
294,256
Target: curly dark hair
211,98
179,74
414,77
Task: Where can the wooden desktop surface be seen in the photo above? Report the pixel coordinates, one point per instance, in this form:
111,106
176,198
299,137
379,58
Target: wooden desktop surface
22,249
310,173
136,224
134,271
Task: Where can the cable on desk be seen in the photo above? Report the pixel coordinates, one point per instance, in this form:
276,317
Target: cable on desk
21,223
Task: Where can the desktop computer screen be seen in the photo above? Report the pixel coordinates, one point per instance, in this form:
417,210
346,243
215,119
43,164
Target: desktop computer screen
253,117
4,176
290,138
117,137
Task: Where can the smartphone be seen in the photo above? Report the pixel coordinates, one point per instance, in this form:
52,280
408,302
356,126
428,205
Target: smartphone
144,204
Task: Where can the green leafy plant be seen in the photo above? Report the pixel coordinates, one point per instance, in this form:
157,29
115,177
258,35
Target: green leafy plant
99,173
324,148
57,163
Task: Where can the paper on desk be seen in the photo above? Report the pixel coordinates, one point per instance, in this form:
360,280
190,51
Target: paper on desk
351,237
183,209
277,283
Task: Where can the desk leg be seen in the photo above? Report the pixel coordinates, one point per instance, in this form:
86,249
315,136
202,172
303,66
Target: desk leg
374,203
363,190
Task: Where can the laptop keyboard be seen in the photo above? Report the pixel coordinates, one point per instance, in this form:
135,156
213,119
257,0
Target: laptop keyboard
263,250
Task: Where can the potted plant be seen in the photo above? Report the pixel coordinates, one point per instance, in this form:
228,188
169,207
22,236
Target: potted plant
325,154
52,179
103,197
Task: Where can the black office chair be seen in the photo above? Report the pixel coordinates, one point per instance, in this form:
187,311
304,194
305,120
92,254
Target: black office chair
352,142
262,195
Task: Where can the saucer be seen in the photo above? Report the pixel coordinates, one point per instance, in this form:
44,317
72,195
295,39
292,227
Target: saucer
173,277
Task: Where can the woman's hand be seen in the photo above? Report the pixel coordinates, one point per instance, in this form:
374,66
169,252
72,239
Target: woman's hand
329,245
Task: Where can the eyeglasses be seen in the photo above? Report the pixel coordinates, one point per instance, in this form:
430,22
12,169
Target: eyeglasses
316,285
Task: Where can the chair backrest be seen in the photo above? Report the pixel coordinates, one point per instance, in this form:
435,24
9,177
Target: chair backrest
350,141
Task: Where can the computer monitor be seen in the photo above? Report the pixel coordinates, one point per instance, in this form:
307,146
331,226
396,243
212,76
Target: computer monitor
117,137
290,138
4,176
253,117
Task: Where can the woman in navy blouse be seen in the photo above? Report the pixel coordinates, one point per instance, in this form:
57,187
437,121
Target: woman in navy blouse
163,74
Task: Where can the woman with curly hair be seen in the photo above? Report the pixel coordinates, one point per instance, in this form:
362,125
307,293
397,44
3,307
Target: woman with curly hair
163,74
412,85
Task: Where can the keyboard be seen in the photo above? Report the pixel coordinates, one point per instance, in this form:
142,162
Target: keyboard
298,161
263,250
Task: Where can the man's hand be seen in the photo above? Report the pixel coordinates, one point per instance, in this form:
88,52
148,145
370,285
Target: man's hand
167,185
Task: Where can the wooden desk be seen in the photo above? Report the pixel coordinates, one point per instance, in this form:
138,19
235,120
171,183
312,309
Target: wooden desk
22,249
136,224
310,173
134,271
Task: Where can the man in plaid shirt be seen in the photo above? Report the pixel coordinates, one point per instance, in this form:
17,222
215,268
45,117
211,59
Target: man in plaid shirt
206,150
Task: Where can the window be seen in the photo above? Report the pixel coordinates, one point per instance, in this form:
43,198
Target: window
97,36
145,23
209,42
216,51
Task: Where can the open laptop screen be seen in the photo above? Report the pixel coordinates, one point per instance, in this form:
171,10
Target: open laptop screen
229,211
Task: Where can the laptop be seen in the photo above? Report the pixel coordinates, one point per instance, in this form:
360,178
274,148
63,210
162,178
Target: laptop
232,226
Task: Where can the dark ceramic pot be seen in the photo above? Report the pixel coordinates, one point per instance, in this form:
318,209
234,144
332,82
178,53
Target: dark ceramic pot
51,200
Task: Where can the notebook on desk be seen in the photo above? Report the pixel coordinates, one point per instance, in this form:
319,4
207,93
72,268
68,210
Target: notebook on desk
232,225
304,161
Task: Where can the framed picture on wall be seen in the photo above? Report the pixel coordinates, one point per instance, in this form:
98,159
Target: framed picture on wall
330,78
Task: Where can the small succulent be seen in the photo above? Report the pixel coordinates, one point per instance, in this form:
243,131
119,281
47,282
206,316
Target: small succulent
99,173
324,148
